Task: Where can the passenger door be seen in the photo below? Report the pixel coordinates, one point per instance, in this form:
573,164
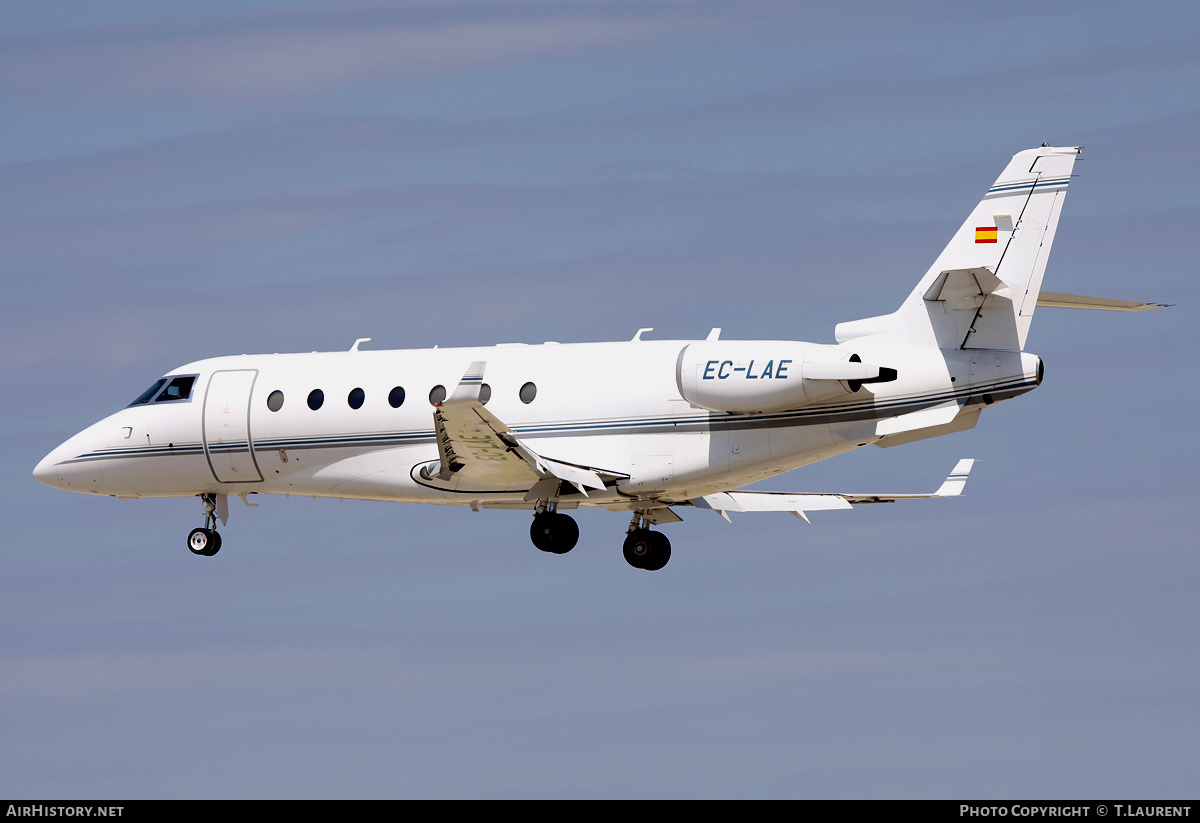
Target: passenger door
227,442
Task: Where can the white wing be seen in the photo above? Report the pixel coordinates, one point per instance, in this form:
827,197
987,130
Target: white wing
476,446
799,504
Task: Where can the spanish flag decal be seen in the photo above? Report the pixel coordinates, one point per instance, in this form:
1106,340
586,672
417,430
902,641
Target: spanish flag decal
985,234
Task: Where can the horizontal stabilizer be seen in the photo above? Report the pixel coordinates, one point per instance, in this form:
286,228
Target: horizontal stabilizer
799,504
1076,301
970,285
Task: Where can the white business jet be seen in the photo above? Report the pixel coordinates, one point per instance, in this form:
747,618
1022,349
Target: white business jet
641,426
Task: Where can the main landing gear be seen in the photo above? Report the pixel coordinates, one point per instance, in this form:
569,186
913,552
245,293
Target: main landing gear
558,533
553,532
206,541
645,549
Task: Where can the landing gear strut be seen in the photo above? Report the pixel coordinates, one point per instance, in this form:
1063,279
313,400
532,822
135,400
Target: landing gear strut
646,549
553,532
206,541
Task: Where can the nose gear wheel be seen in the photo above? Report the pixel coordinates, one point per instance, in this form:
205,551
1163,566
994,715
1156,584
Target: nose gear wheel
205,541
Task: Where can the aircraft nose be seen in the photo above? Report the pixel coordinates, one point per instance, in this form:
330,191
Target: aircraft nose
61,468
46,471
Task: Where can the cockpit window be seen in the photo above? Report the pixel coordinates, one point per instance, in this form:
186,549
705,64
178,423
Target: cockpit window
145,396
178,389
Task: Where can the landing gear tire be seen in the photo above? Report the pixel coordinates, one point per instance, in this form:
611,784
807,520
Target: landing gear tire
205,542
646,549
553,532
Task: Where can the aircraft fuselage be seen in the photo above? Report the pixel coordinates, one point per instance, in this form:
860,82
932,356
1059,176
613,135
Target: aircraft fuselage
248,425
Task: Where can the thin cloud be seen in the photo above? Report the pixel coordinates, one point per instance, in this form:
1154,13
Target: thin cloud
269,57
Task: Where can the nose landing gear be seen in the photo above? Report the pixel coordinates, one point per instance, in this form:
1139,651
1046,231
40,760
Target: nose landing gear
206,541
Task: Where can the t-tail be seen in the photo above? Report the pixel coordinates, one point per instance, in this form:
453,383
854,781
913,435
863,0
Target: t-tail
982,290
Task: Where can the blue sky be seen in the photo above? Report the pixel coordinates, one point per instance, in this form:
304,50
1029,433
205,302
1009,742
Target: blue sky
187,180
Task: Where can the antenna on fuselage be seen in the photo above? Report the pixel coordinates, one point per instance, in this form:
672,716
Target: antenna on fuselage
358,341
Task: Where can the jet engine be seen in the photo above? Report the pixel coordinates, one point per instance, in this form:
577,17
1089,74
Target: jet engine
769,376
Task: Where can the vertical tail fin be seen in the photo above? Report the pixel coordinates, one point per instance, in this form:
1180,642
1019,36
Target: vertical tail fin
981,291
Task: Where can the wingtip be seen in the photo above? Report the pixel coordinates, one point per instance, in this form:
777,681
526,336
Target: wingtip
957,479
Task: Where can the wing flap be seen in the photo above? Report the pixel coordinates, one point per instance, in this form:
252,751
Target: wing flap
796,504
800,504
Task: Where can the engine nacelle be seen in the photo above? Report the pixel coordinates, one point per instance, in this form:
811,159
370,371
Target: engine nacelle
769,375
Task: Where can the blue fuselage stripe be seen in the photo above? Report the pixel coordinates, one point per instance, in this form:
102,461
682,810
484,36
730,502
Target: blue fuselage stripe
696,422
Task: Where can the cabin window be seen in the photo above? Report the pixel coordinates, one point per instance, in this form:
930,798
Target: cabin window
356,398
315,398
485,393
275,400
437,395
180,388
528,392
145,396
396,397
